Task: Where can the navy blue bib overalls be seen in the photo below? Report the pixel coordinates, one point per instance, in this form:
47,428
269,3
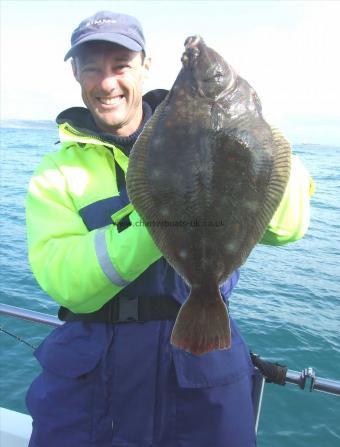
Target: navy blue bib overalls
124,385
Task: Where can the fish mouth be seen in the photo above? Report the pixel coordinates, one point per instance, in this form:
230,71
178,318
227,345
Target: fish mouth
192,52
192,41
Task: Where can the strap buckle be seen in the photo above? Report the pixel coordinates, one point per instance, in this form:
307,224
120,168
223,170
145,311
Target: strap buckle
125,309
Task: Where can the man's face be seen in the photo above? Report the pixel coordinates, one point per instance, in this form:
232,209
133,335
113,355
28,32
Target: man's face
111,79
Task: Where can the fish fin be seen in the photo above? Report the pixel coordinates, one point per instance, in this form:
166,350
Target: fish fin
201,326
281,164
278,180
137,181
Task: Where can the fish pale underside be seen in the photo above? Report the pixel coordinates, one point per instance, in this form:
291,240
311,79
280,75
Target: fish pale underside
206,176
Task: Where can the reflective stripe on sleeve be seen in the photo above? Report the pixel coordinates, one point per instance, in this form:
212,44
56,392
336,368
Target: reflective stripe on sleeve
105,261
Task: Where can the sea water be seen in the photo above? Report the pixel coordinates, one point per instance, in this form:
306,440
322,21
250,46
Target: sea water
287,302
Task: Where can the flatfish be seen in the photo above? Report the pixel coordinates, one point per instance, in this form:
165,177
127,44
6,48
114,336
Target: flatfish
206,176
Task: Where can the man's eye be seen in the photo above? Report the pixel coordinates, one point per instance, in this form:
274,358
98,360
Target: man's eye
123,67
90,70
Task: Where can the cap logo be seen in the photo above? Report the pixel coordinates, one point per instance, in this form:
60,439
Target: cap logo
100,22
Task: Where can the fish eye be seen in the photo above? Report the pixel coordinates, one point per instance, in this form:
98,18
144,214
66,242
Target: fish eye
216,77
219,77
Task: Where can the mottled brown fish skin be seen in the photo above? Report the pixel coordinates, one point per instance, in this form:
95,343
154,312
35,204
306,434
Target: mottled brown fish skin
207,174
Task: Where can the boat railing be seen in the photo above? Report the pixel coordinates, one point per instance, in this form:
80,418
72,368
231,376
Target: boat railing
29,315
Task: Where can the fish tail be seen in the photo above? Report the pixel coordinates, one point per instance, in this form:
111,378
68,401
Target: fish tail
202,325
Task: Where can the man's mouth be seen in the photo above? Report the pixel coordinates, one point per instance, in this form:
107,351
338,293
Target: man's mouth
110,101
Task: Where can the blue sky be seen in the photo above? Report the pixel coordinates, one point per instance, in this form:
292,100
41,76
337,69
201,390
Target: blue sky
287,50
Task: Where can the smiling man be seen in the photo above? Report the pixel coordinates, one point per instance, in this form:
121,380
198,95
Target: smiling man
110,377
111,79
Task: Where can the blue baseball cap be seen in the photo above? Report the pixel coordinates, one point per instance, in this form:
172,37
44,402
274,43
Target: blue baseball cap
108,26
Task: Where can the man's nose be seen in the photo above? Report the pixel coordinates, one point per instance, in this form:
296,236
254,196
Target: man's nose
108,82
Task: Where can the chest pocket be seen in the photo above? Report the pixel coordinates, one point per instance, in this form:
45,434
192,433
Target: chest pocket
215,368
74,349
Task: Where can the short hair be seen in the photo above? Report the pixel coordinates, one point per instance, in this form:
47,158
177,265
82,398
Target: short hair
78,54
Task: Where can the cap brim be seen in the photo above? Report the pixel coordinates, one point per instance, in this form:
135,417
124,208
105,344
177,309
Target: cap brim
118,39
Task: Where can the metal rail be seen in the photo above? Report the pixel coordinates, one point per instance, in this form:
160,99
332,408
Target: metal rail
306,376
257,395
29,315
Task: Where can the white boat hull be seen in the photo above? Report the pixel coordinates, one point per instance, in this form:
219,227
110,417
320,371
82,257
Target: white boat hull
15,428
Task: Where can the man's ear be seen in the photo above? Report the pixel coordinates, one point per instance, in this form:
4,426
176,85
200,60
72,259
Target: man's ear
147,65
75,69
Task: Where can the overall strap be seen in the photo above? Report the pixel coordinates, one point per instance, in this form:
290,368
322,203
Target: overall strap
124,309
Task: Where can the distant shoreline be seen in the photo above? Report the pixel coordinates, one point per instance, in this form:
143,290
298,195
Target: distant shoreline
27,124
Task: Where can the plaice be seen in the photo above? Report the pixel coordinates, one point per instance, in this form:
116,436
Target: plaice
206,175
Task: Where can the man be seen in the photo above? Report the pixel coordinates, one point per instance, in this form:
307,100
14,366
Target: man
109,375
